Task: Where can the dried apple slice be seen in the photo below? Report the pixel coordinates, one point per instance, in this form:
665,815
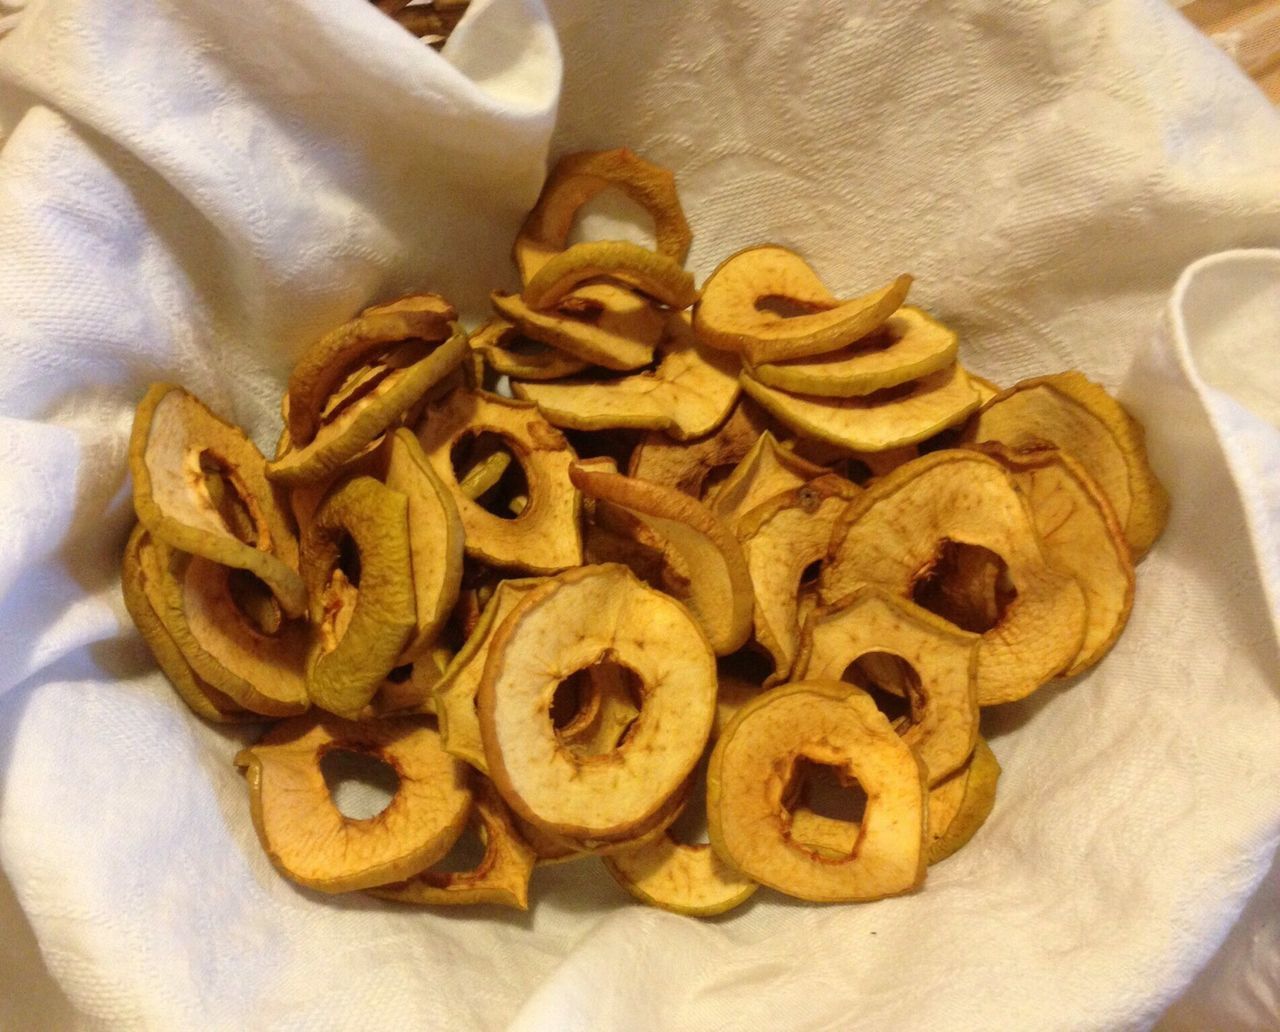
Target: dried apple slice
1069,412
356,560
749,779
780,540
508,353
733,313
910,344
551,848
310,840
857,466
400,378
719,591
199,485
501,877
987,389
436,538
683,878
942,725
338,366
455,692
1080,536
545,536
686,466
875,422
483,477
765,472
410,687
577,619
575,180
204,699
601,324
650,272
902,525
688,394
971,798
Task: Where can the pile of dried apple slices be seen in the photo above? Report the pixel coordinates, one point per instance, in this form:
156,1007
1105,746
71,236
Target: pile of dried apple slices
628,550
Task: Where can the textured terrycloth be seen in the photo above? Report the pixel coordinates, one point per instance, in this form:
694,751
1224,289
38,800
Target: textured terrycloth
193,189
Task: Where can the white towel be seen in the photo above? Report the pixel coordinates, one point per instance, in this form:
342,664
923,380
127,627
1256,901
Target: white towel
192,190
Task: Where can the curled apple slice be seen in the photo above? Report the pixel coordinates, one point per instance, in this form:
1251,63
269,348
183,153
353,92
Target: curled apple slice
575,180
733,312
688,394
501,876
199,485
902,532
910,344
455,692
750,778
600,323
545,536
970,796
649,272
892,418
577,619
941,661
508,353
338,366
1070,412
681,877
204,699
781,539
397,380
1080,536
765,472
719,584
310,840
356,560
688,465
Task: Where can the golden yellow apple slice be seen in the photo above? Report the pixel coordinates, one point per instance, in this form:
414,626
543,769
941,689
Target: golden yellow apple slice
688,465
719,584
455,692
780,540
650,272
574,621
508,353
356,560
338,364
501,877
575,180
1072,413
545,536
910,344
765,472
199,485
1080,536
902,415
398,379
310,840
733,312
943,721
971,796
749,779
905,524
688,394
204,699
600,323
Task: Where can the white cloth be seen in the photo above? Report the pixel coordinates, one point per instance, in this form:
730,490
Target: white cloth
193,189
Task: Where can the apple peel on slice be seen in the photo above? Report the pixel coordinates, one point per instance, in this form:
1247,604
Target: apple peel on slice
575,620
601,324
898,416
910,344
943,722
719,584
903,525
501,877
687,395
650,272
575,180
312,842
750,775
